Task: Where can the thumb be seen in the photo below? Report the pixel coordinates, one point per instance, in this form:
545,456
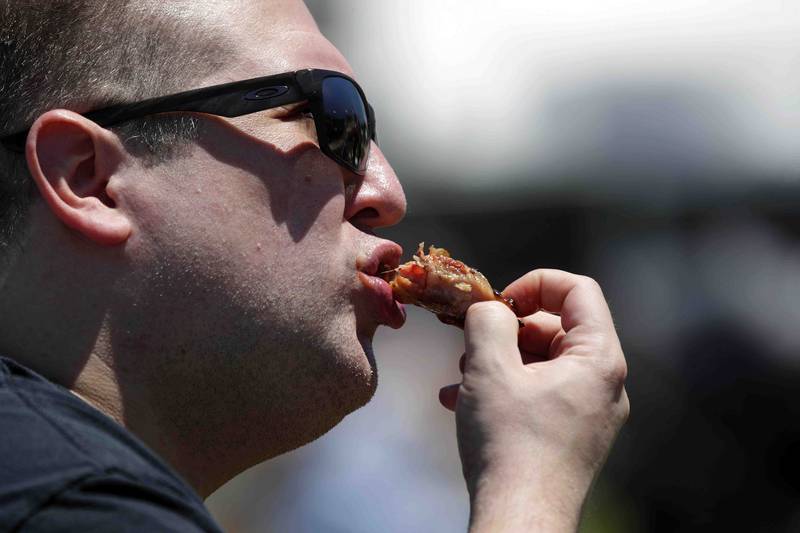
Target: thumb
490,335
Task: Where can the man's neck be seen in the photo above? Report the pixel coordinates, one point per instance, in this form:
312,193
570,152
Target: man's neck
98,384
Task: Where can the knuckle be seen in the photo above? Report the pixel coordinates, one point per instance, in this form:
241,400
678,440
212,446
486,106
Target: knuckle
620,371
590,283
614,372
538,272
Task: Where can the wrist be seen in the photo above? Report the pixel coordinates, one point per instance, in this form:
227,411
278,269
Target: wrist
527,498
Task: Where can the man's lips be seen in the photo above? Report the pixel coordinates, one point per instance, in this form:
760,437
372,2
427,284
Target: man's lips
389,311
385,256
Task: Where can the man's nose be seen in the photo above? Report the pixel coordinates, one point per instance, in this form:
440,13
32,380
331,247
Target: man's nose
378,199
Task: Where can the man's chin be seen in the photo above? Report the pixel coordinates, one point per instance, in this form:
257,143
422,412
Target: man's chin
369,354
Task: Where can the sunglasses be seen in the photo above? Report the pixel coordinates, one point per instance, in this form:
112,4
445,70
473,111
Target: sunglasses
344,120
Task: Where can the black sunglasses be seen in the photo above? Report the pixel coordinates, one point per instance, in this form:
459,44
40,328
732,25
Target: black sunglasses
344,120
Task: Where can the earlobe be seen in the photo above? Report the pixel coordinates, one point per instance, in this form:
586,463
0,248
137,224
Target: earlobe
72,161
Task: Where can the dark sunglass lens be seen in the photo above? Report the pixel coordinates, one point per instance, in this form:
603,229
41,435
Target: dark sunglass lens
346,122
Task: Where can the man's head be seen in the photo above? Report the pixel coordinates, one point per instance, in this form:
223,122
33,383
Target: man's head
214,284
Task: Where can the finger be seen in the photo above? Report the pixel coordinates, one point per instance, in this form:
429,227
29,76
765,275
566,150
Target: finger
462,362
536,337
448,396
578,299
490,335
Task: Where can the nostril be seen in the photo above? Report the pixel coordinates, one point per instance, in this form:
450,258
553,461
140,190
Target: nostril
368,213
366,220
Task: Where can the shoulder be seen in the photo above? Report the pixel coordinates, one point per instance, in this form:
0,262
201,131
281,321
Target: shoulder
63,460
114,501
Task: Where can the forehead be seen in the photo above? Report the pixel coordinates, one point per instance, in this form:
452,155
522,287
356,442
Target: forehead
270,37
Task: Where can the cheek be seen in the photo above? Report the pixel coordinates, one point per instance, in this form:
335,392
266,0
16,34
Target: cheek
306,221
268,228
266,197
234,262
313,202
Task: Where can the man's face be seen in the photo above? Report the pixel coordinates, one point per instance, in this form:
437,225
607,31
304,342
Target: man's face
246,255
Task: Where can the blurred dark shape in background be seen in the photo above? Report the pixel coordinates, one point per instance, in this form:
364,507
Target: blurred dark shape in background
659,155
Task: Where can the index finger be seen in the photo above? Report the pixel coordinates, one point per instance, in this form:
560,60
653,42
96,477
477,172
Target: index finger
578,299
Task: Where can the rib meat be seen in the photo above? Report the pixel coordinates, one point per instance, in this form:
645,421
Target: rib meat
442,285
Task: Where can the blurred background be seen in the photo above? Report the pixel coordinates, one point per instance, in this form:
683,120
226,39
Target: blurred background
652,145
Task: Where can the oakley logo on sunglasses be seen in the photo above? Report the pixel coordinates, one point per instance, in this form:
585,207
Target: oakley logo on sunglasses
266,93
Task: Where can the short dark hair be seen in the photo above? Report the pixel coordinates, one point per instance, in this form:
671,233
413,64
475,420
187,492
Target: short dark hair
84,54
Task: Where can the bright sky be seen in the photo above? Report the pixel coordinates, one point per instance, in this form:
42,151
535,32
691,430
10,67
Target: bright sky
506,90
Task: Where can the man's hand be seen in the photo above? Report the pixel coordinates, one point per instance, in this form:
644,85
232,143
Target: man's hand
538,407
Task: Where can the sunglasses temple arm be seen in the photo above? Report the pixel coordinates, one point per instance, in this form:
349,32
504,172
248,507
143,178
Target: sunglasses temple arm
229,104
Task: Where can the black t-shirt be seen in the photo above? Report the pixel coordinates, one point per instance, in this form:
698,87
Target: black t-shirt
64,466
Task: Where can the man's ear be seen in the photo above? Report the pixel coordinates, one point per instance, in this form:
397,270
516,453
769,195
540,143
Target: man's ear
72,161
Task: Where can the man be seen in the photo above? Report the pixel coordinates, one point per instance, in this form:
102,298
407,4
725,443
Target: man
198,280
